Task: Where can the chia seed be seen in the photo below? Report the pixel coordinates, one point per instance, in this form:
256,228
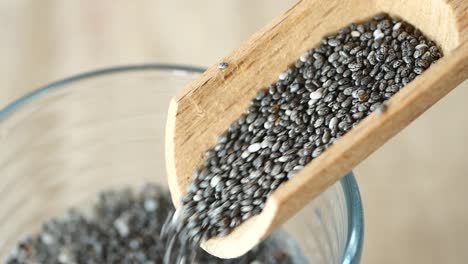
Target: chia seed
223,65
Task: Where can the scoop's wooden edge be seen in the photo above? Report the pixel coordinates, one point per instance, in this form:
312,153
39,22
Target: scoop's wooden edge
172,181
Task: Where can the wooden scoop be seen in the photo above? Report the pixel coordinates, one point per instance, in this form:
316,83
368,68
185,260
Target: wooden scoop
207,107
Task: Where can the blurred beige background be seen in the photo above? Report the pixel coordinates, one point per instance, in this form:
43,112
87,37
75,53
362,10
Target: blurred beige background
413,188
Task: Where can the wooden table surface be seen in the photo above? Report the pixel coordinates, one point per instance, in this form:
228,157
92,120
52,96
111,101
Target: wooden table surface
413,188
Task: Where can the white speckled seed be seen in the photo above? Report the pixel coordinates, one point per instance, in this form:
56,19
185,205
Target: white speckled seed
315,95
396,26
150,205
214,181
312,102
378,34
122,227
47,239
333,123
304,57
254,147
283,76
298,167
420,46
197,197
355,34
65,257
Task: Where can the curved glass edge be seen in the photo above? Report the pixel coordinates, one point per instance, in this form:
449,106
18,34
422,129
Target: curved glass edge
16,104
352,255
355,240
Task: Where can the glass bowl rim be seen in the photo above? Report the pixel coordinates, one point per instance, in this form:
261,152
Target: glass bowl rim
355,237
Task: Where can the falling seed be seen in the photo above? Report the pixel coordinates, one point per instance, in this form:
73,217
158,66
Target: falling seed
150,205
122,227
134,244
64,257
47,239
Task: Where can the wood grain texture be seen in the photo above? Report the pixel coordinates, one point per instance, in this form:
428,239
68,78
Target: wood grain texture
195,121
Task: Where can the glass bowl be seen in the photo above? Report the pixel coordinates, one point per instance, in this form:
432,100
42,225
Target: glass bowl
63,143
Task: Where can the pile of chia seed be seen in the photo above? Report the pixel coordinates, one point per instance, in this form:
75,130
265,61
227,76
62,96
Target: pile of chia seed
327,92
125,227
